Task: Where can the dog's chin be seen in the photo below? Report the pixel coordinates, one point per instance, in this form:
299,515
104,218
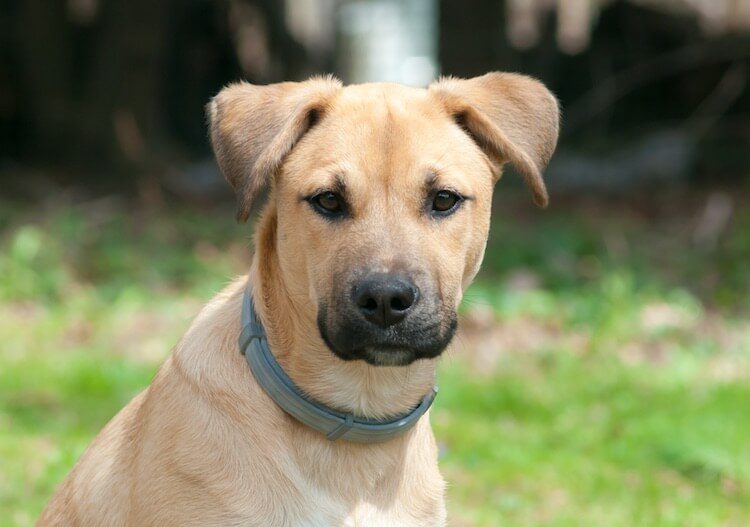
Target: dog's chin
388,357
383,356
351,344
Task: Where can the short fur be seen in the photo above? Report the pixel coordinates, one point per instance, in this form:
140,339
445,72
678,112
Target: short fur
203,444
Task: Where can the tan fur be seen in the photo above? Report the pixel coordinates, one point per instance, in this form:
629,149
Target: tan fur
204,445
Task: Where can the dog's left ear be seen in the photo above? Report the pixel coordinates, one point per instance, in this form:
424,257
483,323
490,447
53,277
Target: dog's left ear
513,118
253,128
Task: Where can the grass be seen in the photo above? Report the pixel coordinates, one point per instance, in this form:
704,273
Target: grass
602,376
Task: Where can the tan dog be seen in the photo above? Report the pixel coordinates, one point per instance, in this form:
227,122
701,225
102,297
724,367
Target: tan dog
376,222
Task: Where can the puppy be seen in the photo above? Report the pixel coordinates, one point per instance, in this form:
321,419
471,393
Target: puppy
376,221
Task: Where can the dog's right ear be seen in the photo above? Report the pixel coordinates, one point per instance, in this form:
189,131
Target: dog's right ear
253,128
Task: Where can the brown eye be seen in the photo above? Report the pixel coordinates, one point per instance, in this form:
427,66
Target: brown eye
445,202
327,203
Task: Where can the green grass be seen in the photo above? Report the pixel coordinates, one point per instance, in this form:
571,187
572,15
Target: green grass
602,376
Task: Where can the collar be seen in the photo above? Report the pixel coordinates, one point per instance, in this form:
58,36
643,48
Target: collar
290,398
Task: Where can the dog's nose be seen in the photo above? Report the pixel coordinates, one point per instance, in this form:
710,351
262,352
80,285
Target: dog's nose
385,299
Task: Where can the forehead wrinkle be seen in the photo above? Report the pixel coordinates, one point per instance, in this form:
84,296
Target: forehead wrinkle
387,143
404,126
385,127
431,178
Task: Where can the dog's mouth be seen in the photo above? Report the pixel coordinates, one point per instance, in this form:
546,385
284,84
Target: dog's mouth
419,337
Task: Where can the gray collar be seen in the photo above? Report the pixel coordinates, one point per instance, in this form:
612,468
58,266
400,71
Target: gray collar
290,398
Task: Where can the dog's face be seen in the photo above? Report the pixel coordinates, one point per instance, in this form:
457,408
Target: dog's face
385,204
382,195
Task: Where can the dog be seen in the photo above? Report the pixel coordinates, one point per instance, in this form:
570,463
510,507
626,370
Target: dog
375,222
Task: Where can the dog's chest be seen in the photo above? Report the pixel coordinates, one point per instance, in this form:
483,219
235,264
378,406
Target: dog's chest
368,515
412,506
330,513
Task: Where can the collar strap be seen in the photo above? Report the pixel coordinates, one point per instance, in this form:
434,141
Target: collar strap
290,398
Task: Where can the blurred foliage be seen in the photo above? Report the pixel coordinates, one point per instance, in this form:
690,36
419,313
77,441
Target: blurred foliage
111,94
601,377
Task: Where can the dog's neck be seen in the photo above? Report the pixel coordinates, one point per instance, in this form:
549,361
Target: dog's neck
289,318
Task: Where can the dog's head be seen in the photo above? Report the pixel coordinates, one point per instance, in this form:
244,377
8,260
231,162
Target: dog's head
382,194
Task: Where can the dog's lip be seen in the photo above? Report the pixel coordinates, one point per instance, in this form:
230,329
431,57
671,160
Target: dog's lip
381,350
392,357
367,350
354,340
402,353
376,347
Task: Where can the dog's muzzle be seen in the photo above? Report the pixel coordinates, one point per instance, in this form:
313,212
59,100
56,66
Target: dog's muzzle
385,319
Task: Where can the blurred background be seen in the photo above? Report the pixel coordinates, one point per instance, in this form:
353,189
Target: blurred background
602,371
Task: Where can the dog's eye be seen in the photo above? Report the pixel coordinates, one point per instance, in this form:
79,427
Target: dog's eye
328,203
445,202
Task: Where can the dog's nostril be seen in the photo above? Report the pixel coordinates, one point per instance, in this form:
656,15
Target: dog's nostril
369,304
400,303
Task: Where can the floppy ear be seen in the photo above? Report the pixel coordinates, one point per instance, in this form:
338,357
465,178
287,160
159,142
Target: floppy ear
513,118
253,128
